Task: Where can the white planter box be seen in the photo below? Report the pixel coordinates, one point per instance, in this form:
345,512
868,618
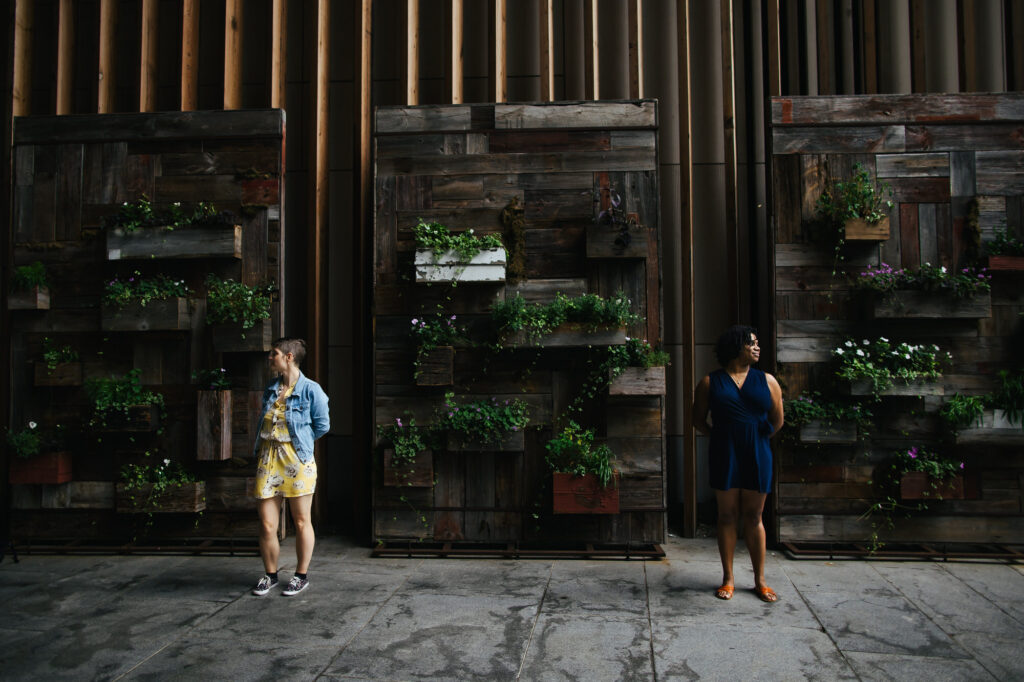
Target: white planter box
486,266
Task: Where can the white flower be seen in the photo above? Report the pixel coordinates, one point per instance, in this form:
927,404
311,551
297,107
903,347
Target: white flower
470,231
849,344
166,462
883,339
839,351
943,269
866,342
32,425
860,352
907,356
414,320
627,338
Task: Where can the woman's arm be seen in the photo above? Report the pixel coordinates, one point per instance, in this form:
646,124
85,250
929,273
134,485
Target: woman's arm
319,413
775,414
700,406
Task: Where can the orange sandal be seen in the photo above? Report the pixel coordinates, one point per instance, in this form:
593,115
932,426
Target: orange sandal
725,592
766,594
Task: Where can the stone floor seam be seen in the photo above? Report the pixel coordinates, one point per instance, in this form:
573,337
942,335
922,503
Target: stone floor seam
536,619
1013,615
358,632
650,624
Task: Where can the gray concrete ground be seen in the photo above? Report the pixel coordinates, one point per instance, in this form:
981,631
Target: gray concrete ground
166,617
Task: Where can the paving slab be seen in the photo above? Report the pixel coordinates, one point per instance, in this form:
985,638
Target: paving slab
570,646
874,666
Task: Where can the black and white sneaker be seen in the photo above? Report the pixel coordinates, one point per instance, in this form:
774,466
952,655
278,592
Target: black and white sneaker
266,584
295,585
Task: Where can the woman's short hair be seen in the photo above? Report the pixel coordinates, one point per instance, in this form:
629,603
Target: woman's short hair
731,341
293,345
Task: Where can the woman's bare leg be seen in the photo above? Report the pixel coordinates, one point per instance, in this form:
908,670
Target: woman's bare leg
304,537
270,548
752,507
728,510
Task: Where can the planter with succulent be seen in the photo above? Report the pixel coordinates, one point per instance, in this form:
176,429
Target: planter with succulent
60,366
138,303
883,368
615,233
1005,252
408,458
445,256
240,315
435,353
584,480
828,422
122,404
213,414
857,207
40,455
636,368
995,419
162,488
485,425
587,320
141,231
30,289
928,292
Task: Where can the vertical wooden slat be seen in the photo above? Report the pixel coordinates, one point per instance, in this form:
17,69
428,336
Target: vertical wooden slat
412,52
773,67
592,52
147,67
729,124
65,55
362,370
500,51
22,86
686,239
457,47
278,54
869,43
547,51
967,28
233,54
190,55
636,49
108,31
917,43
823,14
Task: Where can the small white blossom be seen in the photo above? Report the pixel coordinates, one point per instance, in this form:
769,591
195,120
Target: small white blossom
883,339
860,352
839,351
866,342
167,462
943,269
32,425
849,344
907,356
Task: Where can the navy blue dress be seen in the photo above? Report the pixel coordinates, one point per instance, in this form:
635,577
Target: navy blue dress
740,456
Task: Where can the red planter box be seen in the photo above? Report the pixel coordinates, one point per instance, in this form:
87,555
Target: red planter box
1006,263
50,467
584,495
917,485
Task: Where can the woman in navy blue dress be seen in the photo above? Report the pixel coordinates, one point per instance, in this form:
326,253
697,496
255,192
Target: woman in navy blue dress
745,405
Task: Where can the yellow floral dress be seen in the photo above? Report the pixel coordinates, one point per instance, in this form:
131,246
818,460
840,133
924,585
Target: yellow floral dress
279,472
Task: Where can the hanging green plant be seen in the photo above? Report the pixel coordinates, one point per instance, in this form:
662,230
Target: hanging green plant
230,301
589,311
28,277
572,451
120,292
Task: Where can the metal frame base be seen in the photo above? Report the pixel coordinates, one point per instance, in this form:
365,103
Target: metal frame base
514,550
917,551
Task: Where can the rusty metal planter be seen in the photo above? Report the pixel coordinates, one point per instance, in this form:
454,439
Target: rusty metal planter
47,467
186,498
583,495
213,425
416,474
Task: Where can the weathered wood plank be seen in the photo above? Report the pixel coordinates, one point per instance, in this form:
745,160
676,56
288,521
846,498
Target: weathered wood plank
69,192
789,255
909,244
422,119
150,126
521,142
838,139
638,381
637,454
186,242
965,138
876,109
805,349
912,165
266,160
925,304
914,529
565,162
635,114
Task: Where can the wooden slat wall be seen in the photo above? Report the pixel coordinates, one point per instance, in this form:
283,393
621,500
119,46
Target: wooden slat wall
940,153
462,165
70,172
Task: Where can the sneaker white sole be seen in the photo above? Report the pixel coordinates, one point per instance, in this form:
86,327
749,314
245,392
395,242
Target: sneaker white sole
291,593
260,593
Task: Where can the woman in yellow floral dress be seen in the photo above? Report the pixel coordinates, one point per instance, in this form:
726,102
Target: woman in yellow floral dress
295,414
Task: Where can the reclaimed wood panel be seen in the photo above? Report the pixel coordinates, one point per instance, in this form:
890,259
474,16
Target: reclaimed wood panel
636,114
838,139
875,109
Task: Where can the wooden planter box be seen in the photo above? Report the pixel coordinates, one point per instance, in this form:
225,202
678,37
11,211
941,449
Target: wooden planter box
48,467
36,298
917,485
995,429
187,498
485,267
213,425
839,433
570,335
182,242
170,314
514,441
261,192
140,419
231,338
583,495
860,230
913,389
601,243
418,474
1006,263
437,367
64,374
907,303
638,381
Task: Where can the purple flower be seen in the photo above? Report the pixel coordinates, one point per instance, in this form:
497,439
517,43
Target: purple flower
961,465
399,422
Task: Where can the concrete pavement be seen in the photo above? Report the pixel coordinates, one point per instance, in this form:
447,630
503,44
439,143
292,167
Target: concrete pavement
170,617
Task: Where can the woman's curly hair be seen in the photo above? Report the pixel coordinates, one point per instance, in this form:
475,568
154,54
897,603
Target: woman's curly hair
731,341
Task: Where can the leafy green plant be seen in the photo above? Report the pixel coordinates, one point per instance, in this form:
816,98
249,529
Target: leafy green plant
882,362
1005,244
439,239
918,459
860,197
636,353
812,407
28,277
431,331
155,481
1009,395
590,311
407,439
572,451
490,420
112,398
132,215
54,355
142,290
212,379
885,280
33,439
962,411
231,301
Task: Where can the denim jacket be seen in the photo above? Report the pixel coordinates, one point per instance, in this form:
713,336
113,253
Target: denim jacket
305,412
